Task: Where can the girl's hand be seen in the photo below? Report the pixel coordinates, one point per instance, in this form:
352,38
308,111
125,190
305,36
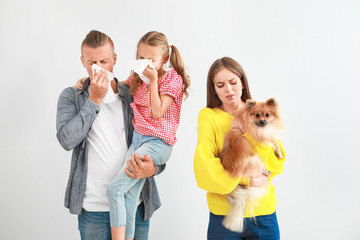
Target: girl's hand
99,85
151,73
79,83
258,181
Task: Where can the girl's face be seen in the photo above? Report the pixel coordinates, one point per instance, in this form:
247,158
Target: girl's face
228,87
154,53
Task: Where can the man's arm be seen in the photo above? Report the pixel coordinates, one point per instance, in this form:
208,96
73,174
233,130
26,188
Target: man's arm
142,167
72,125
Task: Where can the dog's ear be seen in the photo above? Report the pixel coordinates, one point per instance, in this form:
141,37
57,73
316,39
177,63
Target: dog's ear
271,102
250,103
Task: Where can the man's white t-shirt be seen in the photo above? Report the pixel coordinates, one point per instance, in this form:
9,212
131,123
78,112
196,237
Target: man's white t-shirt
106,151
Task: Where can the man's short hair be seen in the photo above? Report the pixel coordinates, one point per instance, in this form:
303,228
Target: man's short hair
96,39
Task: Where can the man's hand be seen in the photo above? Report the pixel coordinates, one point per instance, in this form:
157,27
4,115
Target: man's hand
140,168
99,85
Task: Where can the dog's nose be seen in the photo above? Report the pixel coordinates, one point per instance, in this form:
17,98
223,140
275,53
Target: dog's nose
262,122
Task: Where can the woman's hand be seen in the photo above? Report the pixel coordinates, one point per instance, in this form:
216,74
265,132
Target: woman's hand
140,167
236,123
79,83
258,181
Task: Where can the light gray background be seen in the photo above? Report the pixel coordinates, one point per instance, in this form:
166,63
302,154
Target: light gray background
306,54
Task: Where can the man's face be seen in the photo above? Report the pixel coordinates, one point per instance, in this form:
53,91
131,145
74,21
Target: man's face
102,56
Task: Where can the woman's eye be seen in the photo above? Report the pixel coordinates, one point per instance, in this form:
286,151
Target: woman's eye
232,83
220,86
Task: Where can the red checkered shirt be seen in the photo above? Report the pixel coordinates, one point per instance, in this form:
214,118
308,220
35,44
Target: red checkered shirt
170,83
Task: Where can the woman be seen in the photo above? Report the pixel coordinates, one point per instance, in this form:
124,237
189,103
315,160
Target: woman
227,92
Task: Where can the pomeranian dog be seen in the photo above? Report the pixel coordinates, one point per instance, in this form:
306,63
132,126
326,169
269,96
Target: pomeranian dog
262,121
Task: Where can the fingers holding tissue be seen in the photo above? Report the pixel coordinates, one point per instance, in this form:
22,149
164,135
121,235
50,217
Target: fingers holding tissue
103,78
151,73
139,66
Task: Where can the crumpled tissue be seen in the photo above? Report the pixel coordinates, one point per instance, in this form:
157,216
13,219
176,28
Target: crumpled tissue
139,66
110,95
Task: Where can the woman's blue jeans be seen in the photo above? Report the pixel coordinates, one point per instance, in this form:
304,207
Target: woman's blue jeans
259,228
124,192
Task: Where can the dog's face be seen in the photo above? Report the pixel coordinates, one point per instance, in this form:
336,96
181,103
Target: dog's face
262,113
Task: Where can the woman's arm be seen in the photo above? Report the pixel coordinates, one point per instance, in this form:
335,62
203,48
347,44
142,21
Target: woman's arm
273,164
209,172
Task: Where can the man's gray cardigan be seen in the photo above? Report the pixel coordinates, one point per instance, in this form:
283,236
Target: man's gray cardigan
75,115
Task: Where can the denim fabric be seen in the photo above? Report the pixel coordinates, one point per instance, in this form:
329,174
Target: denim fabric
96,225
75,115
124,192
259,228
141,226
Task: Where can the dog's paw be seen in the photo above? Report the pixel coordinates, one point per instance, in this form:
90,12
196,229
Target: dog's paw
278,154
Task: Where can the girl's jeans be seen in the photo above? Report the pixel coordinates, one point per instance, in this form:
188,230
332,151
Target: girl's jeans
124,192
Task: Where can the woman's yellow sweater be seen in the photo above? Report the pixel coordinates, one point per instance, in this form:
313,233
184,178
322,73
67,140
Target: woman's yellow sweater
210,174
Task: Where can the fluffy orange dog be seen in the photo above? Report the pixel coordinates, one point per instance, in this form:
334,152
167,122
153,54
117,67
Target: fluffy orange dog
262,121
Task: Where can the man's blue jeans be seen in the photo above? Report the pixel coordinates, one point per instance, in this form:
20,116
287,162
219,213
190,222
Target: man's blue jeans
261,228
96,225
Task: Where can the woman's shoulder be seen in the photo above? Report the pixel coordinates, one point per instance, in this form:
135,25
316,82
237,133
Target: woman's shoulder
211,112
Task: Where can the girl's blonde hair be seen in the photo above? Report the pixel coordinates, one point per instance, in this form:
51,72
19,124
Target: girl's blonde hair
157,39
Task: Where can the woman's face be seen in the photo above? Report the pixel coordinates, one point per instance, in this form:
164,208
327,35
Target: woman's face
228,87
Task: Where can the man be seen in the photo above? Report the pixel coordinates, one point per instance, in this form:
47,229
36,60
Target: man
99,135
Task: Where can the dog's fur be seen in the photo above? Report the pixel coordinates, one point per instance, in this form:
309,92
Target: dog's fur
262,121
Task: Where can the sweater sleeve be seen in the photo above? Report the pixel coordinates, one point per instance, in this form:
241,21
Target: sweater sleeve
272,163
209,172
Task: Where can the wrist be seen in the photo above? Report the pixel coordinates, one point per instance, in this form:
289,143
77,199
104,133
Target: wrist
97,101
153,79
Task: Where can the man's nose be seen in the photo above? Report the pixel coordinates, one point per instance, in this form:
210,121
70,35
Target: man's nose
100,64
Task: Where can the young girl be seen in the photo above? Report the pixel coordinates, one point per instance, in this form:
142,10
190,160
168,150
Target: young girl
156,109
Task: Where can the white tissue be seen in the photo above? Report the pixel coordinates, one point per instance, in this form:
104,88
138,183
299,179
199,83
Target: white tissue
110,95
139,66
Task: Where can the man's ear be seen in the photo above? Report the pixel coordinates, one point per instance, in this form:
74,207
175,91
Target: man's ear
82,60
115,58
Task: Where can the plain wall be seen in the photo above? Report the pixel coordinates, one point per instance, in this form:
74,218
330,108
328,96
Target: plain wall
306,54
